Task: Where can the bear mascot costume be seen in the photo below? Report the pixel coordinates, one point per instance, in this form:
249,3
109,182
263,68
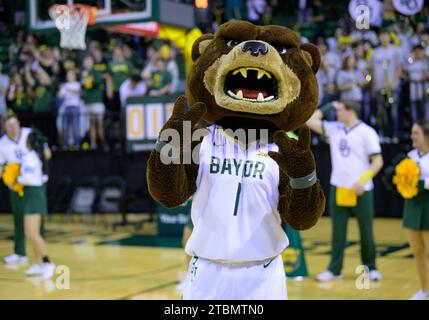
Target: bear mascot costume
251,85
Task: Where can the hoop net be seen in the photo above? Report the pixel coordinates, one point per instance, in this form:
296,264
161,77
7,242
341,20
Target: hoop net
72,22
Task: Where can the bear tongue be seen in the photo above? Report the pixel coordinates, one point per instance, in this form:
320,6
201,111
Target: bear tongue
250,94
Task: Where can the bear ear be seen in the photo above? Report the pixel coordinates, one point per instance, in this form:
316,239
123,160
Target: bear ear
311,55
200,45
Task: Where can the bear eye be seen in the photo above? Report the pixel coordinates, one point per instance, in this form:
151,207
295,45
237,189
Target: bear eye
281,49
232,43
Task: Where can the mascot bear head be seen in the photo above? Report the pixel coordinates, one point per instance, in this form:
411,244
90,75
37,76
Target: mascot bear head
252,76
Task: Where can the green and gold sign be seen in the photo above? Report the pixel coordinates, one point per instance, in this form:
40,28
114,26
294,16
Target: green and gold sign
144,118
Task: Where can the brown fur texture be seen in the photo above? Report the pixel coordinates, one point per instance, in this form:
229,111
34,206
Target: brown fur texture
300,208
293,66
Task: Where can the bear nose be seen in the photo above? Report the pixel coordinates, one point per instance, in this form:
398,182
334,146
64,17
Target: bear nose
255,48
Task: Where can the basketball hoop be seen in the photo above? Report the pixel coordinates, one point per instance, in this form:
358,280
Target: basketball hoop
72,21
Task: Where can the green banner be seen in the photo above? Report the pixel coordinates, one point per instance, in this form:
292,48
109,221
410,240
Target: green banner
172,220
293,255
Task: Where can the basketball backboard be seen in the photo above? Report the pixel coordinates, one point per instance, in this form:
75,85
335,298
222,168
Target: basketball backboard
108,11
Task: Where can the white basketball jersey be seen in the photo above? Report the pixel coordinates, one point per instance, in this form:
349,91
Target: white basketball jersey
351,149
13,150
31,170
234,210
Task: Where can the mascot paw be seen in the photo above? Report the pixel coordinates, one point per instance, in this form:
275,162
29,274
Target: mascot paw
179,116
178,123
294,157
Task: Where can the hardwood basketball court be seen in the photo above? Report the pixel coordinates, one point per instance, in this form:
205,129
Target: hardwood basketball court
127,264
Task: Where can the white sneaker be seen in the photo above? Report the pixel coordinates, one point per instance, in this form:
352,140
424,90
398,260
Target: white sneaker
420,295
327,276
15,258
48,270
35,270
374,275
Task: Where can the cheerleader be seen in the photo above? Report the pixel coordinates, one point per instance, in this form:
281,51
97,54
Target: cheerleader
33,177
416,209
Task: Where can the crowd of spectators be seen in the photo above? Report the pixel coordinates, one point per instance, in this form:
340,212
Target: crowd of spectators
384,68
76,97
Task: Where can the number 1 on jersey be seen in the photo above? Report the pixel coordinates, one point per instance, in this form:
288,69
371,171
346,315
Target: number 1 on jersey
237,198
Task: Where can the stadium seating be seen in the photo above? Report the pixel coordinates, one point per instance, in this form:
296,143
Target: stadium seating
84,197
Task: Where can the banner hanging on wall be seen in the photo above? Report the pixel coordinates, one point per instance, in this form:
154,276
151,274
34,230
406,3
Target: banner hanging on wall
144,118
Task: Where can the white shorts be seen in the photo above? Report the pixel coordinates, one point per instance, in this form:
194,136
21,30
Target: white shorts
96,109
209,280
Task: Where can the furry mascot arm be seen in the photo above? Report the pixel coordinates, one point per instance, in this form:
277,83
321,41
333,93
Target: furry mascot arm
300,207
172,184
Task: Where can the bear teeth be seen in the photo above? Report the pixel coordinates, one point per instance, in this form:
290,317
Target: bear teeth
243,71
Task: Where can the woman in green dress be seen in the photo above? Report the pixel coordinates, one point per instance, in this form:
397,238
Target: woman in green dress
33,176
416,210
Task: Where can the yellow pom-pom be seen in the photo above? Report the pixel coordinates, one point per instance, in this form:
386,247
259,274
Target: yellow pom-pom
406,178
11,173
18,188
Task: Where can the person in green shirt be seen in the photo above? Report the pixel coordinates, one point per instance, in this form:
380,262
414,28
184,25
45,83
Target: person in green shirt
93,91
43,94
119,70
41,83
17,97
99,62
161,79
